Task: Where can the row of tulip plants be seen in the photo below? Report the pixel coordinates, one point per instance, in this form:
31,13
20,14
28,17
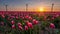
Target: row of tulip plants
29,24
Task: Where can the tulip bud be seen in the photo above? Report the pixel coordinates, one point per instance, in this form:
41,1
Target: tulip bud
27,22
30,25
57,15
30,18
26,27
52,25
20,27
19,24
12,22
13,26
35,22
26,16
3,16
12,16
16,17
20,16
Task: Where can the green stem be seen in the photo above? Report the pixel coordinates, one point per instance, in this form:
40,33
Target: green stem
30,31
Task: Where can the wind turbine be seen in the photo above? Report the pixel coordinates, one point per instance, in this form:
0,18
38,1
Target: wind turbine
6,6
52,7
26,7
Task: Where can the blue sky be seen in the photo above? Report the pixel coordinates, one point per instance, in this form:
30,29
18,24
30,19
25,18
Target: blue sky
18,5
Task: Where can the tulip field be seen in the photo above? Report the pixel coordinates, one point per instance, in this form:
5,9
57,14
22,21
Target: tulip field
29,22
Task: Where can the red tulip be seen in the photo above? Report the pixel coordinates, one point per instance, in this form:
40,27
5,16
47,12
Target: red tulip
13,26
22,17
30,25
26,27
35,21
19,24
52,25
12,22
20,27
27,16
27,22
30,18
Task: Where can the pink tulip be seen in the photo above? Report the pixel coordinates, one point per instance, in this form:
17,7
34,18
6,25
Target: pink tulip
19,24
13,26
16,17
26,27
27,16
35,21
20,27
12,22
57,15
22,17
52,25
30,18
27,22
29,25
3,16
12,16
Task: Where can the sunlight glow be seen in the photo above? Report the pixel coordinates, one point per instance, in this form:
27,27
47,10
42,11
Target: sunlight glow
41,9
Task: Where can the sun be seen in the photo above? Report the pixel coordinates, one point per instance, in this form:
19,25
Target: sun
41,9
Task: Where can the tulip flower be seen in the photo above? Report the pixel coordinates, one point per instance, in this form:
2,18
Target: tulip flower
26,27
27,22
3,16
12,22
13,26
29,25
27,16
35,21
30,18
12,16
20,27
22,17
19,24
52,25
57,15
16,17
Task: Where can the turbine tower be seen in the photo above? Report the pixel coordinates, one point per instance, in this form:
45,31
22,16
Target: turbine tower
52,7
26,7
6,7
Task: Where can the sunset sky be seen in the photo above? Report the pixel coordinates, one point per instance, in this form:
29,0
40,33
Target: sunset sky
33,5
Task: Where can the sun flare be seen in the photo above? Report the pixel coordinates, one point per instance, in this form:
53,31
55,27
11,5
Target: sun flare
41,9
